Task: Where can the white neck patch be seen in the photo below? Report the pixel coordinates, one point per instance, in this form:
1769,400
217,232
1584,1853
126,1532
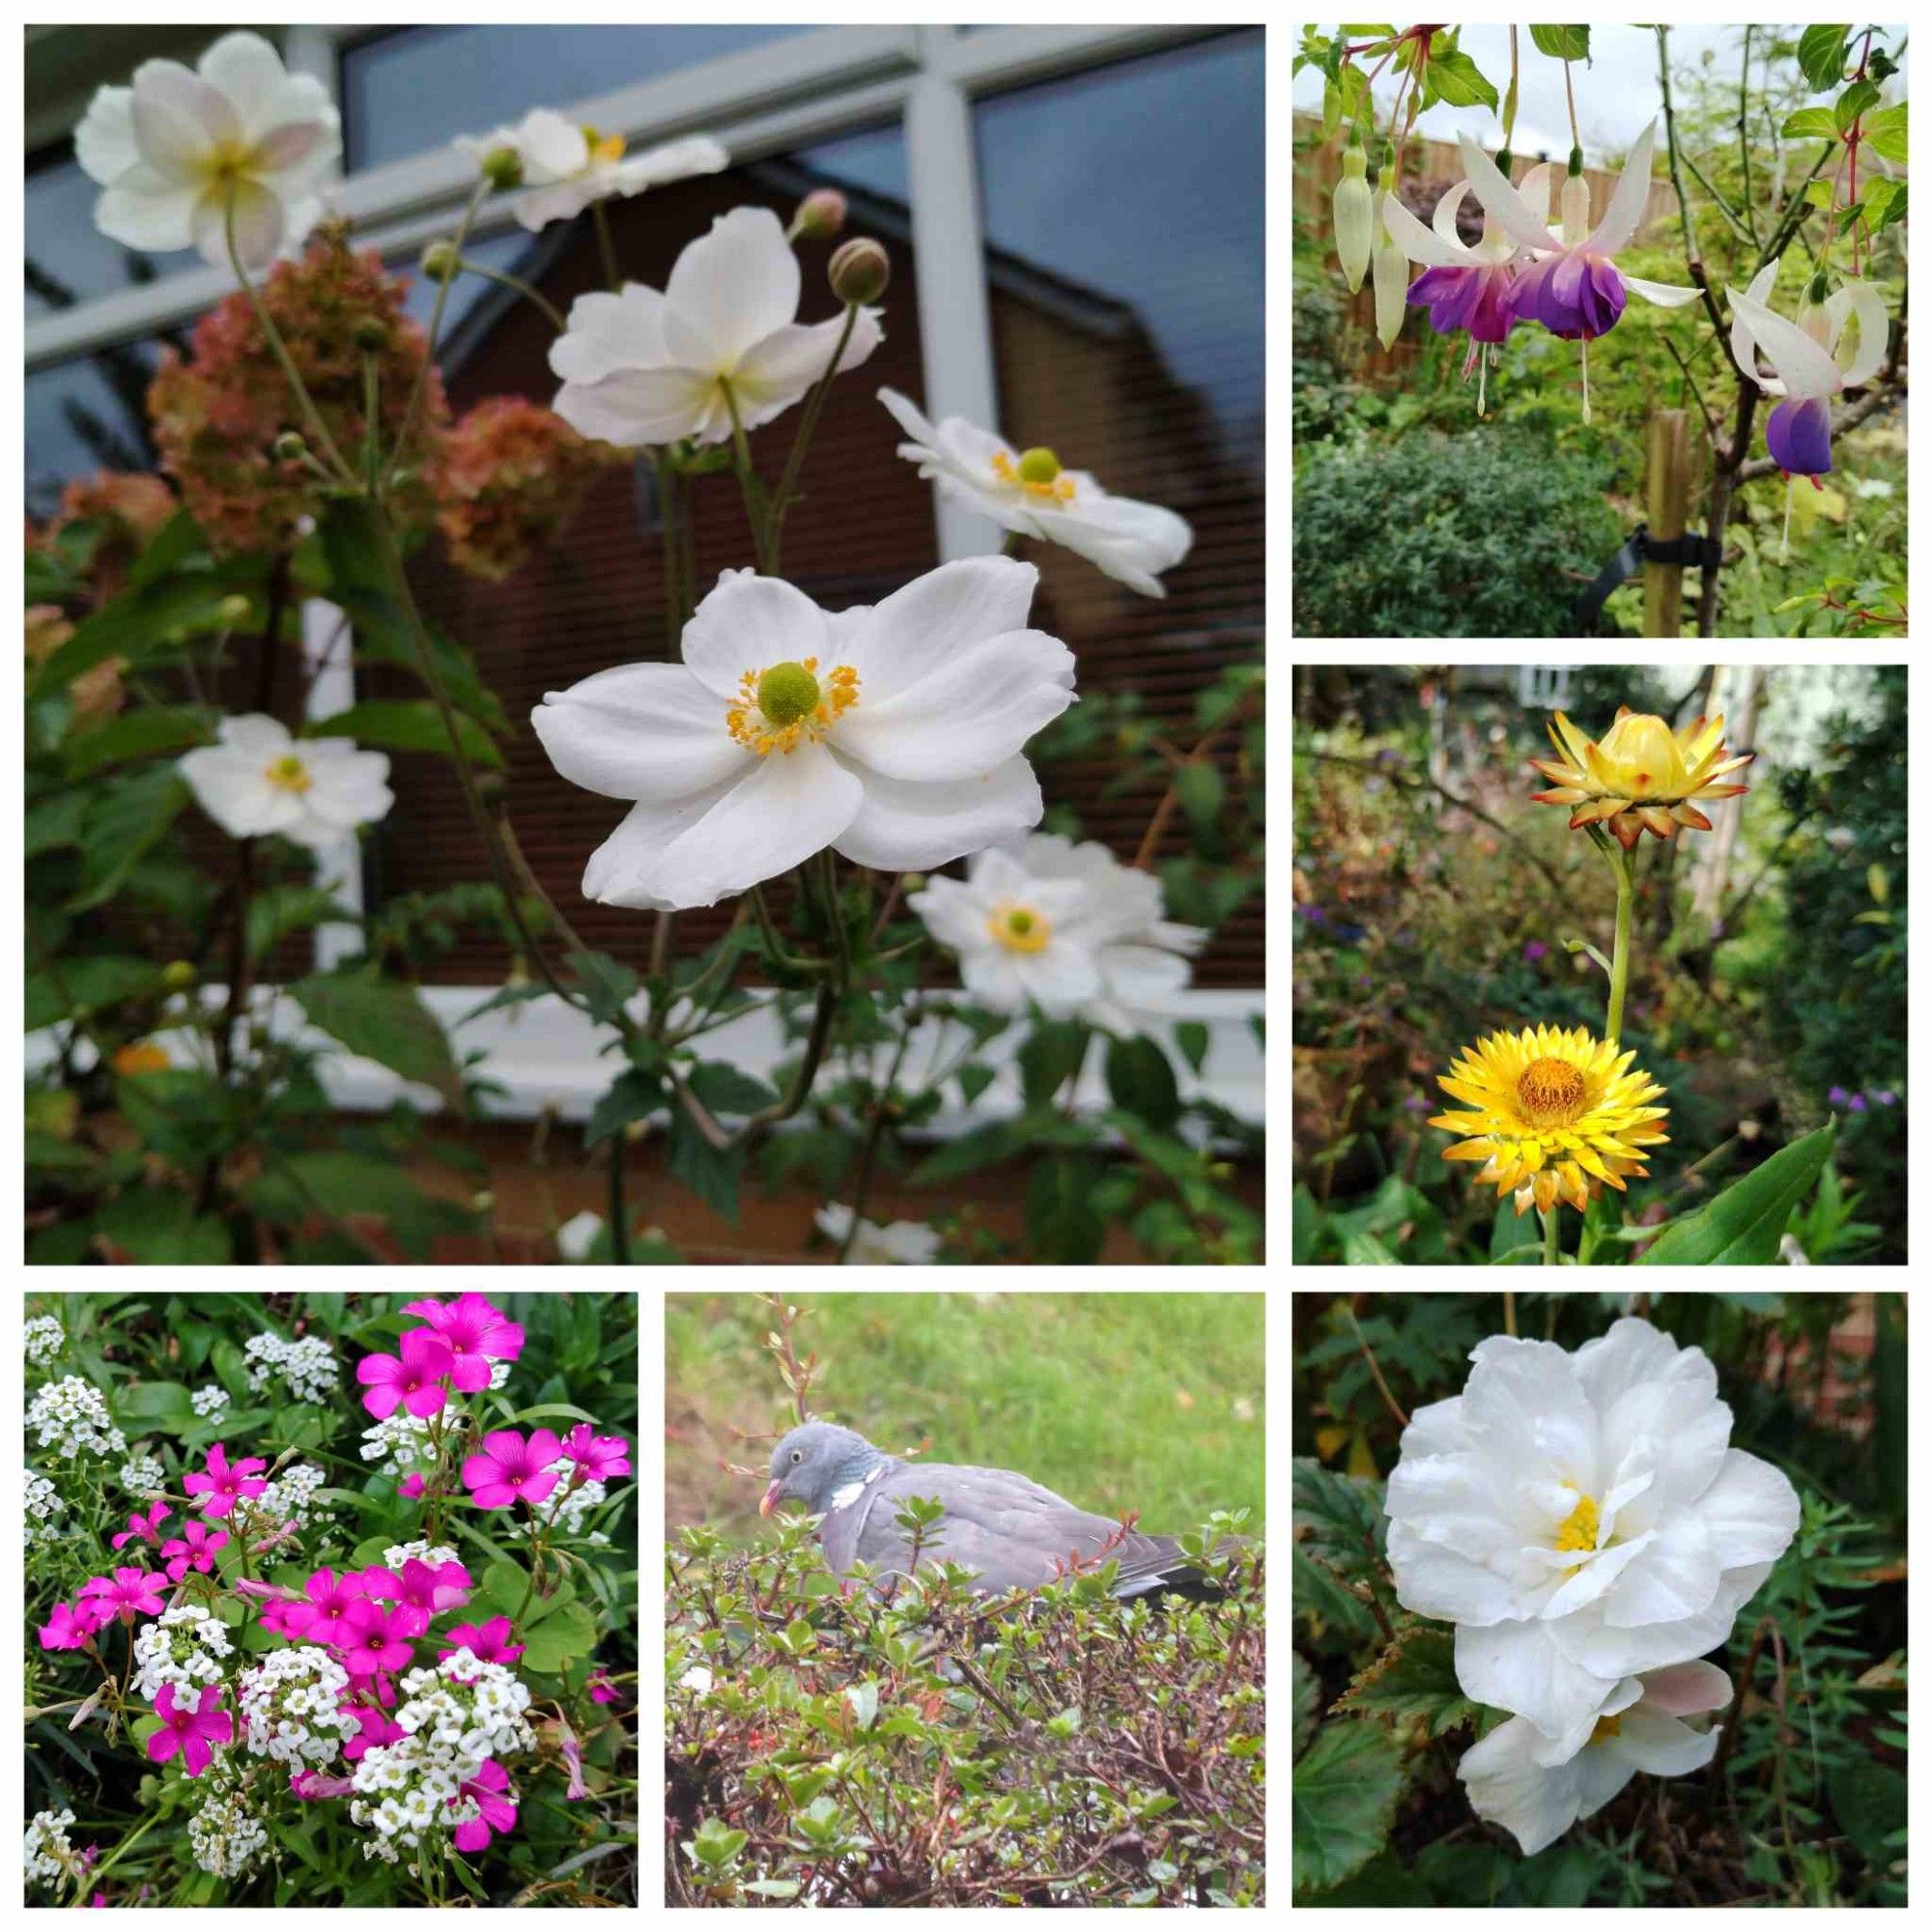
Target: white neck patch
845,1497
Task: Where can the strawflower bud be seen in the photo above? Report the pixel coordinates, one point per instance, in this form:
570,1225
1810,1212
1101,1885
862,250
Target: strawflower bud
858,271
1353,218
820,216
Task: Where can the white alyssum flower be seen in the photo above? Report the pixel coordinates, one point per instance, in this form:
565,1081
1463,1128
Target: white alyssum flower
1062,926
183,153
499,1376
143,1474
578,1235
1537,1787
225,1834
288,1705
290,1497
41,1339
1581,1519
432,1554
185,1647
259,780
42,1505
71,1419
49,1858
565,166
646,367
307,1366
210,1400
893,1244
1028,492
398,1445
892,733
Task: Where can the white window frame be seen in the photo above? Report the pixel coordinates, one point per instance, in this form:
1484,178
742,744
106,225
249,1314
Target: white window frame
759,101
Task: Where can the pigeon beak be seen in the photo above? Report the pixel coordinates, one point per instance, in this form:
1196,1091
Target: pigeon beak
769,1502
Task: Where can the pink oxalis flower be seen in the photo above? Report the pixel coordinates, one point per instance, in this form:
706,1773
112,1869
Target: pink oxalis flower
125,1593
148,1528
329,1600
487,1643
424,1589
71,1629
474,1333
412,1487
221,1487
413,1381
508,1467
499,1814
601,1690
373,1727
193,1550
190,1729
598,1457
372,1638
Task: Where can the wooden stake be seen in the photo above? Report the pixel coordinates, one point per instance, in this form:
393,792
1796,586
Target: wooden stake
1666,490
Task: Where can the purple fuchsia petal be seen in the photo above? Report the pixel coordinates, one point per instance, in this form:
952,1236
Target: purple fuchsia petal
1798,435
1473,299
1572,295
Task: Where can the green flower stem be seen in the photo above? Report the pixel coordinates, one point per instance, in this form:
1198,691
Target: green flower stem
1552,1246
516,283
815,404
607,248
1613,1024
421,383
749,484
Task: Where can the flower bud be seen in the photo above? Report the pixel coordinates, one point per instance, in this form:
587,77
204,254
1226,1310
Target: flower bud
482,1200
1575,208
1391,271
820,216
439,259
1353,214
178,975
232,610
503,168
290,447
491,788
371,335
858,271
1817,292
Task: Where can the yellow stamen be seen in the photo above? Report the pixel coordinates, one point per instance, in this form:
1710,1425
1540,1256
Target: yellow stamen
1018,929
786,702
1578,1529
1549,1091
1605,1727
289,774
1034,475
604,148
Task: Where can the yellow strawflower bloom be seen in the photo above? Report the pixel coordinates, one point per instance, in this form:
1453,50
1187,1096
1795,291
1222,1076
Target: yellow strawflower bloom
1558,1114
1642,777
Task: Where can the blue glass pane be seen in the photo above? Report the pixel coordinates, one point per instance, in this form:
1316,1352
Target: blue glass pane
87,415
420,87
68,259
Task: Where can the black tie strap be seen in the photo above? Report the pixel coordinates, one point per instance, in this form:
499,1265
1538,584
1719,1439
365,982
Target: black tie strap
1640,547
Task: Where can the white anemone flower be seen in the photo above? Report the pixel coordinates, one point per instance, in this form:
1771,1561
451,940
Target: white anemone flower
258,780
889,1244
180,146
1065,927
890,732
1028,492
1536,1788
566,167
648,367
1581,1518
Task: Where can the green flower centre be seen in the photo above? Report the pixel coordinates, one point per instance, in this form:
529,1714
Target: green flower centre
1018,929
787,692
289,774
1038,464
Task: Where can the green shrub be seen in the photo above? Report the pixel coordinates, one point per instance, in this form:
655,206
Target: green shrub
1487,534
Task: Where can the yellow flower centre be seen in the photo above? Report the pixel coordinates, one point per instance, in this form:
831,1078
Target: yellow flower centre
289,774
228,162
1018,929
1038,472
1578,1529
1549,1092
1605,1727
786,702
604,146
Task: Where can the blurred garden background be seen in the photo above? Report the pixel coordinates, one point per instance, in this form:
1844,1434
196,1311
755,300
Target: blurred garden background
1415,517
1434,900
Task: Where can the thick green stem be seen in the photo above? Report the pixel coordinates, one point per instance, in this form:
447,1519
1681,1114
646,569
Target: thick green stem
620,1217
1613,1025
749,484
1552,1247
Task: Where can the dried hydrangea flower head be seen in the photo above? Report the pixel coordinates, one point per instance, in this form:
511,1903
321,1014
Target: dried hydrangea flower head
1556,1116
1641,777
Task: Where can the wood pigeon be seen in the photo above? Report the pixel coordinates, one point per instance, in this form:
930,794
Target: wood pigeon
1014,1534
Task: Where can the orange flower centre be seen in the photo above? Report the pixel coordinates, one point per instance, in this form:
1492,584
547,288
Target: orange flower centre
1549,1092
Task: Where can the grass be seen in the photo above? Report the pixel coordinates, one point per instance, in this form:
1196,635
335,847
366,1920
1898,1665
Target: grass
1147,1402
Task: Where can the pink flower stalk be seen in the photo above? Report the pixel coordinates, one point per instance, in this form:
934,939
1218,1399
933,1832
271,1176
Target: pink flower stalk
193,1550
415,1380
330,1599
487,1643
372,1638
221,1487
71,1629
508,1467
373,1727
426,1589
573,1758
412,1487
190,1730
147,1528
499,1813
314,1784
472,1329
125,1593
599,1457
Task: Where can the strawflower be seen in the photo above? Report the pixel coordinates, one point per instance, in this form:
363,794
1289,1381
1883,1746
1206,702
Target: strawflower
414,1379
1642,776
508,1467
190,1729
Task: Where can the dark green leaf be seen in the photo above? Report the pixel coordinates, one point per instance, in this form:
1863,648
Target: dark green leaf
1344,1787
630,1096
1050,1058
559,1639
407,725
1413,1679
385,1022
158,1225
1141,1081
1191,1036
87,986
1459,81
171,546
128,816
1821,54
609,985
711,1176
1061,1223
134,624
137,734
1853,102
724,1089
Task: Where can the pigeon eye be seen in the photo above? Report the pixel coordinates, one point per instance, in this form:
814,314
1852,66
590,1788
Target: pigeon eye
798,1455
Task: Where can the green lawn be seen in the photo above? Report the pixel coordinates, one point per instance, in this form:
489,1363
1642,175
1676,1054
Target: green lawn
1147,1402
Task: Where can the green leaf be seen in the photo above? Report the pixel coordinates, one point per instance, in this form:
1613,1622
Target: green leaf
1307,1700
1461,83
1141,1081
407,725
278,911
385,1022
609,985
159,1226
87,986
1413,1679
1562,42
155,1405
170,547
1050,1058
724,1089
1203,792
1811,123
979,1147
133,625
1362,1249
1868,1799
1061,1223
1743,1226
1191,1037
1820,53
1853,102
559,1639
974,1076
630,1096
1885,133
1346,1785
713,1177
354,1185
1880,197
137,734
129,815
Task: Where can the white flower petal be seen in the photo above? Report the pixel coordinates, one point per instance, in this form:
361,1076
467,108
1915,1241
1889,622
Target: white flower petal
1613,1651
638,408
1435,1429
1804,366
904,826
608,332
1865,301
1517,1667
1597,1576
258,223
1503,201
1675,1577
155,223
774,373
179,117
251,75
669,161
1525,1406
1686,1689
1536,1804
730,289
1623,1693
748,622
623,869
1436,1582
1628,201
645,730
1440,248
923,627
1656,1742
1463,1502
551,148
104,143
1751,1510
1665,295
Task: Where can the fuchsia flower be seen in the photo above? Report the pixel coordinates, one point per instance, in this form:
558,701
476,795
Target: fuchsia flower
508,1467
193,1550
487,1643
425,1591
71,1629
474,1334
412,1487
414,1382
147,1528
125,1593
372,1638
329,1600
499,1813
599,1457
190,1730
221,1487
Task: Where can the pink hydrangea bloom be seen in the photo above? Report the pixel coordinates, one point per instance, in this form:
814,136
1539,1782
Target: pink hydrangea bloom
487,1643
499,1814
69,1629
599,1457
190,1728
330,1599
508,1467
125,1593
413,1381
221,1487
193,1550
148,1528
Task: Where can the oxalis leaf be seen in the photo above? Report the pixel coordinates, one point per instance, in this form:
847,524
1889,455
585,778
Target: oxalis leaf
1346,1785
1414,1677
1743,1226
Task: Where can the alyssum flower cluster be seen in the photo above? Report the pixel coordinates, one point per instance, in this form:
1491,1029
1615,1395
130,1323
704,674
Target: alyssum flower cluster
1583,1521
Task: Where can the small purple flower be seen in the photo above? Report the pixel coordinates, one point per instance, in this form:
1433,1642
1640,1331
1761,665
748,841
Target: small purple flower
1885,1097
1475,298
1572,295
1837,1096
1855,1104
1534,950
1313,914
